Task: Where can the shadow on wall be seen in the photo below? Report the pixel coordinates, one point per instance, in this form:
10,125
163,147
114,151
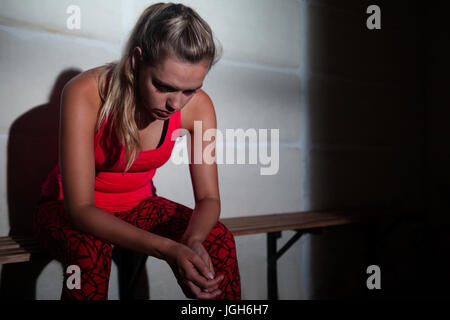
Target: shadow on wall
32,153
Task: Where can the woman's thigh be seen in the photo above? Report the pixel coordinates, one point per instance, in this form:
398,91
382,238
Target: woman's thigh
160,216
52,228
170,219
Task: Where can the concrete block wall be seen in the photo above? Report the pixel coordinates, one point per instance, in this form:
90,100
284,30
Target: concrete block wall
257,85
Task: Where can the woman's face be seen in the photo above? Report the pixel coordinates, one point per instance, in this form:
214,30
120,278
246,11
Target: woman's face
168,86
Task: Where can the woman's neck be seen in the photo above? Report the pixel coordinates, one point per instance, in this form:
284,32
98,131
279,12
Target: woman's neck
142,117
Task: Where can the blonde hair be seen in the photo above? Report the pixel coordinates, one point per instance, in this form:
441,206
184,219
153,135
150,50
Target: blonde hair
162,29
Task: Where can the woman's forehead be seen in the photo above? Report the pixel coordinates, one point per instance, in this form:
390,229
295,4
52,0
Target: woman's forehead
179,73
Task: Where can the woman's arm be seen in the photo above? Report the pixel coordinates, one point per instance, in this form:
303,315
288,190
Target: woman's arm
203,170
204,174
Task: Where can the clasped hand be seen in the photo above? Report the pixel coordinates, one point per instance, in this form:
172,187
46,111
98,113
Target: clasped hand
192,266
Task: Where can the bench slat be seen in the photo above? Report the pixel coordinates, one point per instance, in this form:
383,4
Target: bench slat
17,249
14,255
8,245
295,220
20,240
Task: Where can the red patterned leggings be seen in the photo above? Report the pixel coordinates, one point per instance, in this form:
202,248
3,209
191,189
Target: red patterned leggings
156,214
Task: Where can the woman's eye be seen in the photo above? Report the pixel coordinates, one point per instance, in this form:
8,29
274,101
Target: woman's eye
161,89
189,92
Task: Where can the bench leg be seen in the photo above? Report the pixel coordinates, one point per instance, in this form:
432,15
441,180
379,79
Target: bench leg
273,254
272,282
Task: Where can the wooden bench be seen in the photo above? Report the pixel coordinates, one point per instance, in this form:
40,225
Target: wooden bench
14,250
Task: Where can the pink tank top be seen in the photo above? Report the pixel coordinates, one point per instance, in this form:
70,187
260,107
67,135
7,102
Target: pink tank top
115,191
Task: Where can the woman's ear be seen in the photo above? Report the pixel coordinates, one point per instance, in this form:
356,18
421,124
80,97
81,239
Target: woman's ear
136,58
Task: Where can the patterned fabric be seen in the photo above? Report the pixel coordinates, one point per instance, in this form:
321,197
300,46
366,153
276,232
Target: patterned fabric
155,214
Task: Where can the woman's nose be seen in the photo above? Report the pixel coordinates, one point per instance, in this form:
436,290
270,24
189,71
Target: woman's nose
174,102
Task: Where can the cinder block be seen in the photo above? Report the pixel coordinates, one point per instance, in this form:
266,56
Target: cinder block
248,98
101,19
360,113
35,66
257,31
244,191
341,44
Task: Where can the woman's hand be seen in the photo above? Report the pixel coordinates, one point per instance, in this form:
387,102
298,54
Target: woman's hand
194,272
198,248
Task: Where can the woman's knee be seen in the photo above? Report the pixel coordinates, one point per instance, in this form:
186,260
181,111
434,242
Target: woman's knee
221,233
85,250
221,244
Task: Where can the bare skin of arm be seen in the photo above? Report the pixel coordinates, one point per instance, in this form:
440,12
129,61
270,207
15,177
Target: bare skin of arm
204,178
203,175
79,105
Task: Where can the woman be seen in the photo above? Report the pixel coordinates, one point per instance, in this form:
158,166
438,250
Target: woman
118,124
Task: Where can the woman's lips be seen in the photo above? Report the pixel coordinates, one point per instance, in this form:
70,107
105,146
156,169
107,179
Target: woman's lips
163,113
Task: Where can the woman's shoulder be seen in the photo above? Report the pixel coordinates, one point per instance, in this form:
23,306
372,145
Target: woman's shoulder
83,88
199,108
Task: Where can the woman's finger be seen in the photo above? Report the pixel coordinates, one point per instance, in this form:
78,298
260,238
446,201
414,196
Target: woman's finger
199,280
204,255
211,267
207,259
199,294
204,268
208,262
